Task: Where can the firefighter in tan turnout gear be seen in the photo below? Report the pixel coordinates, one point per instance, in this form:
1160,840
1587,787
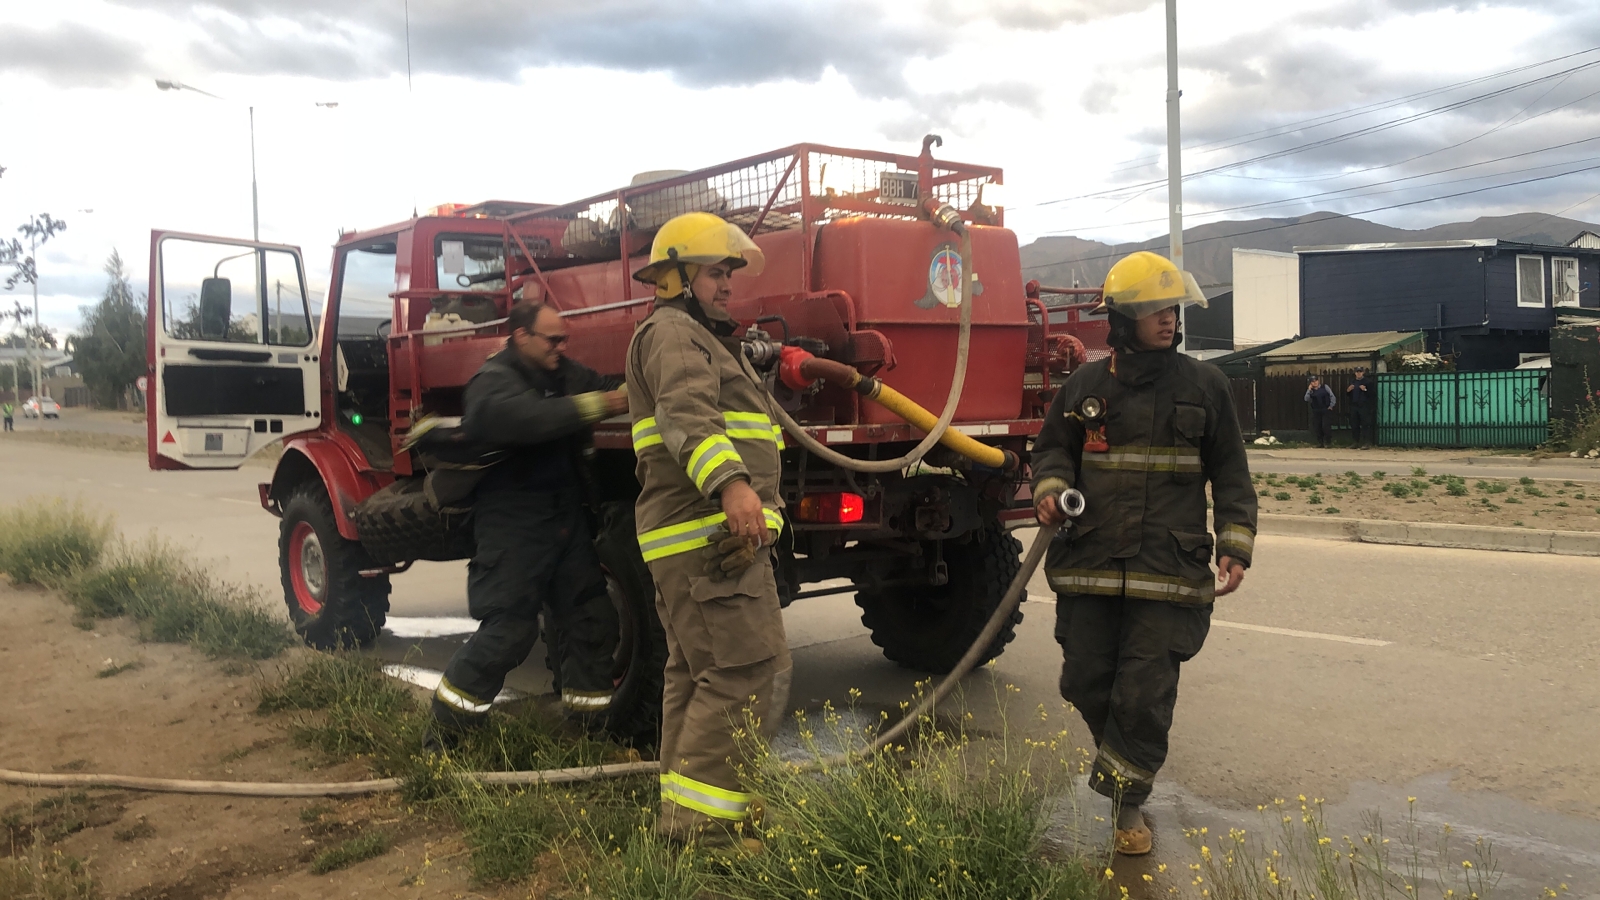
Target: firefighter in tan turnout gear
1140,434
708,513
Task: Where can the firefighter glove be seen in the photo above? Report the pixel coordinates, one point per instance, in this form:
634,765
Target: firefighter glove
728,556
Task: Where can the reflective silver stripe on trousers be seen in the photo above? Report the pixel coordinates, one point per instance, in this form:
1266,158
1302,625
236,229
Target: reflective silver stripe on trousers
460,701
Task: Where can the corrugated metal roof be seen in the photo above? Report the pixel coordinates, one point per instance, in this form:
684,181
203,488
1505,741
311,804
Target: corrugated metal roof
1399,245
1345,344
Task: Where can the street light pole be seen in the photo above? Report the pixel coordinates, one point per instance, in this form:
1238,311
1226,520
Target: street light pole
168,84
1174,150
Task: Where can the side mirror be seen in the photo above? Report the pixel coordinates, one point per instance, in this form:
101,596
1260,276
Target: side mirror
216,302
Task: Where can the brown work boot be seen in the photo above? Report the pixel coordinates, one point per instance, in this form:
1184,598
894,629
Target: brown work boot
1134,841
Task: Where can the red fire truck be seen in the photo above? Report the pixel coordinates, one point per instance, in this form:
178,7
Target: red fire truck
856,272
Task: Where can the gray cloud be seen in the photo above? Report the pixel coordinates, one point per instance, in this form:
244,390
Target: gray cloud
69,55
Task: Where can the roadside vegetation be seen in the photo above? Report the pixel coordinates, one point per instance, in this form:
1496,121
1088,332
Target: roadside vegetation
1420,497
172,598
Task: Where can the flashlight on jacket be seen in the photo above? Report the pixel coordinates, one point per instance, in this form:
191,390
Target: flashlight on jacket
1071,503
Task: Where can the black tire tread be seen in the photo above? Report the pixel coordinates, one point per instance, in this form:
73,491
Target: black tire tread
916,641
356,606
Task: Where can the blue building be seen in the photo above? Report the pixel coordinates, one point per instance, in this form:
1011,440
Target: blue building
1489,303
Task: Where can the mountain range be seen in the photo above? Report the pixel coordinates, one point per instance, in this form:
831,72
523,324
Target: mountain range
1208,249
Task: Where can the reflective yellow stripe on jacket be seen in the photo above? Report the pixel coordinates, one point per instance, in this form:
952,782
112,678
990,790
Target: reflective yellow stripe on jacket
1145,459
712,452
740,426
645,434
1142,585
718,803
671,540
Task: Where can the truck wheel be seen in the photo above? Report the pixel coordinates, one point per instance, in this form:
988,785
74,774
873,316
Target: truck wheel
642,651
331,604
930,628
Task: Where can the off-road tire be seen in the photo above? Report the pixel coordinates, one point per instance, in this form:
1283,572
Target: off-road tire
930,628
332,605
635,713
398,524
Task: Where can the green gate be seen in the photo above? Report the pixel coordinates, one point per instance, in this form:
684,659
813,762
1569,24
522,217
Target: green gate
1464,409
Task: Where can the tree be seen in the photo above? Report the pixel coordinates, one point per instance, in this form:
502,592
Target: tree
109,349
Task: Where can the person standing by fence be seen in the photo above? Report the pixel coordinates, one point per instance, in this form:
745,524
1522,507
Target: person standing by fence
6,412
1322,402
1363,393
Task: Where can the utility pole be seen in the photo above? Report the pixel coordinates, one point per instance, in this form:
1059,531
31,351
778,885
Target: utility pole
1174,149
255,202
38,334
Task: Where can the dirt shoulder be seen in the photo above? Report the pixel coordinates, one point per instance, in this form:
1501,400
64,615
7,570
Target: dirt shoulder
173,713
1410,494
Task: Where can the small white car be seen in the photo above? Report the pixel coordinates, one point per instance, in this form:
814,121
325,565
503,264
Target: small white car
41,408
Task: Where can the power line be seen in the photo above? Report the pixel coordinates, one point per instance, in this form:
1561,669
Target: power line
1352,190
1330,118
1218,237
1336,139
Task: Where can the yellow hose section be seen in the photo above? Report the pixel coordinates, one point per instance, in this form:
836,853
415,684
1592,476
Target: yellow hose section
905,408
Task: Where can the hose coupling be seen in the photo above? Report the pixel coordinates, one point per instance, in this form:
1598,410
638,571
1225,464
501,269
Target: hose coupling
944,215
1071,503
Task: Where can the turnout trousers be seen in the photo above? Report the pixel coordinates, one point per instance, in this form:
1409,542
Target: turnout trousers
1120,660
1363,425
727,665
534,553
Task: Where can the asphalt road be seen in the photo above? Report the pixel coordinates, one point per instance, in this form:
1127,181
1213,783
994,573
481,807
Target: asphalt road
1362,674
94,420
1499,467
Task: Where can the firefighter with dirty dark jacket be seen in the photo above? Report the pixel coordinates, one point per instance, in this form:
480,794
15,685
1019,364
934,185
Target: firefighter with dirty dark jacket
1140,434
534,548
708,513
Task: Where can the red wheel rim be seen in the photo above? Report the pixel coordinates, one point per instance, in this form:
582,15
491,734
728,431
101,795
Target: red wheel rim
308,569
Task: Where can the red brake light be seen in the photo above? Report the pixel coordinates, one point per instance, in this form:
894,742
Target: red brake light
837,508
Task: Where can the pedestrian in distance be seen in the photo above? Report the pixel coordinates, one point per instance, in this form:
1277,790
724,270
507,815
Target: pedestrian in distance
535,549
1363,395
1140,433
1321,400
7,411
709,512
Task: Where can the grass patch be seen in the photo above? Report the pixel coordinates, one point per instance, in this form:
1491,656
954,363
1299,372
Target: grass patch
40,875
1283,495
174,600
111,671
1491,487
1331,511
47,542
358,849
1294,854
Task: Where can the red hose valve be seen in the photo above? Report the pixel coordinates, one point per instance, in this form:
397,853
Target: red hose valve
789,362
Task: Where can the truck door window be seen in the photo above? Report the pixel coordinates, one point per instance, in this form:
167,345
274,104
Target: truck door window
468,262
288,319
214,292
368,279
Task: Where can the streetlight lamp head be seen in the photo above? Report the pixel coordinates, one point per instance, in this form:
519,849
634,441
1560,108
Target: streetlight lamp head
168,85
333,104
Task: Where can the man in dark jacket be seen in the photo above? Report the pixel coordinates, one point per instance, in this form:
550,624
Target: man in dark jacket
534,547
1363,409
1140,433
1320,397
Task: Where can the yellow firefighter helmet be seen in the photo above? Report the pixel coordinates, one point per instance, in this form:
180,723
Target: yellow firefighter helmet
1143,283
693,240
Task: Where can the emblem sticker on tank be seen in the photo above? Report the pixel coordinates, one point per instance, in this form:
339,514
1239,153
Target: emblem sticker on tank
944,279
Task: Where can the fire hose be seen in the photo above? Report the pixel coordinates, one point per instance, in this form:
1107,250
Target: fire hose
801,367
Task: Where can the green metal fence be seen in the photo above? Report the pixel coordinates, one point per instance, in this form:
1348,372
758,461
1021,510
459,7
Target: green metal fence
1464,409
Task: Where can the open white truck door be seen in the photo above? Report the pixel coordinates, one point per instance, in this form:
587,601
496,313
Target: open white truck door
234,363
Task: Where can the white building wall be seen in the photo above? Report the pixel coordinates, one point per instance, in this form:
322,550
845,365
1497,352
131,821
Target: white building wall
1266,297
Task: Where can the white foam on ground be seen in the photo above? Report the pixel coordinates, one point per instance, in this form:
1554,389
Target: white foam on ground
429,626
428,679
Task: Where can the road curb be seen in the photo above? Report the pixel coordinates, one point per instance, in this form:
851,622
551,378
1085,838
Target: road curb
1433,534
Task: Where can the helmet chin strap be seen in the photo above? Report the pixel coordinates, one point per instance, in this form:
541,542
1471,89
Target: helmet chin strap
691,303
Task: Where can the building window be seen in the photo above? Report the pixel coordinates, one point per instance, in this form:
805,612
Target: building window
1530,281
1564,281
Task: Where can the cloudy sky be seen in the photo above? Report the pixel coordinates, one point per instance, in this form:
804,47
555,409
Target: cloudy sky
1289,107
